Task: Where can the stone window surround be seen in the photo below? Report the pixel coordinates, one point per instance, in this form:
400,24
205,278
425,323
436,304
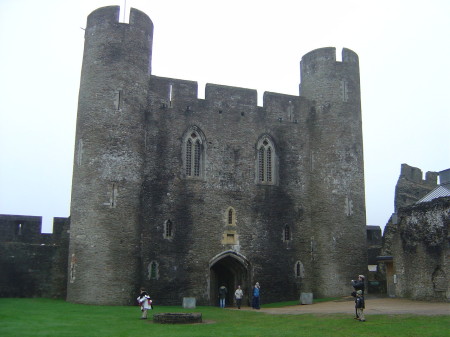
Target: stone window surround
194,168
268,174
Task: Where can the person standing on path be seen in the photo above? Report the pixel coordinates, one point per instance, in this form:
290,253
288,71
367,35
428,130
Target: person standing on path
256,296
360,306
238,295
358,285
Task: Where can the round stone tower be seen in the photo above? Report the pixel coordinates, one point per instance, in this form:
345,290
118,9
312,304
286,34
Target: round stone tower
337,169
109,154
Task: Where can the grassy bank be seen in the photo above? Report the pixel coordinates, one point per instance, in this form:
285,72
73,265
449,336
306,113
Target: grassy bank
45,317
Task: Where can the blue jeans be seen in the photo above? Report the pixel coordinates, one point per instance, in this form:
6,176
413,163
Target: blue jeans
222,303
255,302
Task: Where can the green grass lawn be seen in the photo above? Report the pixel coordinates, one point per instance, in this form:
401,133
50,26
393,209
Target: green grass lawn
46,317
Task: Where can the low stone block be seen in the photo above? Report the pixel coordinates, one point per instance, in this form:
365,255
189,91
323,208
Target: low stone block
177,318
189,303
306,298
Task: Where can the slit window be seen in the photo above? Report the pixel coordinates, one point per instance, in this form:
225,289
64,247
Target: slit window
287,233
168,229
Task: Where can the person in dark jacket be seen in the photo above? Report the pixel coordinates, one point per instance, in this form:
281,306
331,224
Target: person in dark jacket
360,305
222,295
358,285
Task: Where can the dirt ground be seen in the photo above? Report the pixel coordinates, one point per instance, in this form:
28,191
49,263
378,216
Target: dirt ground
374,306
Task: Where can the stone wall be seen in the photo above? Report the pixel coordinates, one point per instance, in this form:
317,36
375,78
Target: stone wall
32,264
411,187
139,218
418,243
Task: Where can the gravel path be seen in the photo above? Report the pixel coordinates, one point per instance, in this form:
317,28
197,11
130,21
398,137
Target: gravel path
374,306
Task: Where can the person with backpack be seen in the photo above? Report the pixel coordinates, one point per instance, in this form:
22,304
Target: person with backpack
145,302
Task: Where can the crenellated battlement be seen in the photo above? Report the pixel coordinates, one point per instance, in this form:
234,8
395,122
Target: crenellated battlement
110,16
325,57
411,187
181,97
328,55
175,93
231,97
104,15
349,56
28,229
33,264
415,174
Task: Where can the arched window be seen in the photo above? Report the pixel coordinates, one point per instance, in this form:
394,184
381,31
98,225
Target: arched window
231,216
168,229
153,270
266,163
194,153
299,270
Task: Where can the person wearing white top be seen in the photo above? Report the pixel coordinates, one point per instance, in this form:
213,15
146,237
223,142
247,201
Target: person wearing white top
145,302
238,294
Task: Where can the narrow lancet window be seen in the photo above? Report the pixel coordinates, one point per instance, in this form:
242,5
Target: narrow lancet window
168,229
194,152
287,233
266,161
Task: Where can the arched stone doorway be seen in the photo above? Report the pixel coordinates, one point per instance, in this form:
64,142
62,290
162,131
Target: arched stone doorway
229,269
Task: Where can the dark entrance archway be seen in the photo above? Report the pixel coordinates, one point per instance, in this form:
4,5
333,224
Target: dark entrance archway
229,269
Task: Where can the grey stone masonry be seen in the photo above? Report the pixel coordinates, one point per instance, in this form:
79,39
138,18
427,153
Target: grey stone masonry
182,195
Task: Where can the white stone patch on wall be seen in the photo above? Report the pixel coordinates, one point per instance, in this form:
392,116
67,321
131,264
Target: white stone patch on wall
79,152
348,206
73,263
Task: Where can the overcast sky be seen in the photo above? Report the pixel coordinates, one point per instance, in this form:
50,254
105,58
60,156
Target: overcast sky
403,47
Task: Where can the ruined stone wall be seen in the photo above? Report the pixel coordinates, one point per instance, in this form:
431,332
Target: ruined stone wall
33,264
411,187
419,245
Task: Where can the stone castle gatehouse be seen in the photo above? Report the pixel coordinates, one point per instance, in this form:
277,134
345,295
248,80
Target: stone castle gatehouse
181,195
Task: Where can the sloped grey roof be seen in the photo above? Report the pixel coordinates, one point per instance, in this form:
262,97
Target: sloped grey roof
438,192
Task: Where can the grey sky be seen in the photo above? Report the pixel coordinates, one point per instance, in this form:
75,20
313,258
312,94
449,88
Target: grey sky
403,47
